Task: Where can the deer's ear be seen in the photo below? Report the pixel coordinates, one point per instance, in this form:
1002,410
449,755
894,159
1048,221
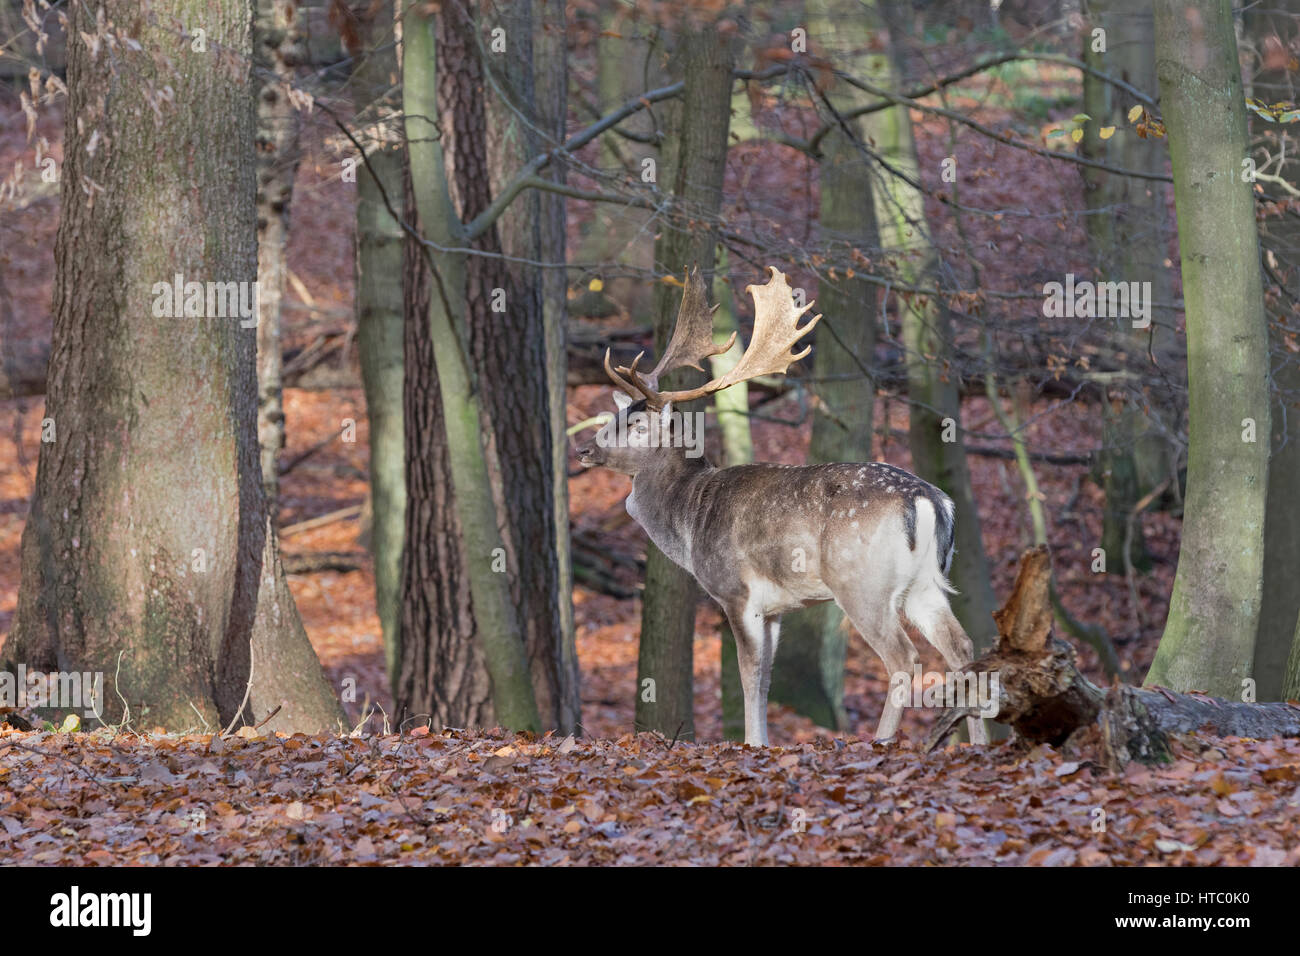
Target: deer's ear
622,399
665,415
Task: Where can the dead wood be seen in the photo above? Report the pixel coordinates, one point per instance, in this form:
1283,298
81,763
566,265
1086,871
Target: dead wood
1042,695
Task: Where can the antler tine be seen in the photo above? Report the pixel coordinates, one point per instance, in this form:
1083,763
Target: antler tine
776,331
633,391
692,339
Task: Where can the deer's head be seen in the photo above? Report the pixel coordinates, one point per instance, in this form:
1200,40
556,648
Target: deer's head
645,426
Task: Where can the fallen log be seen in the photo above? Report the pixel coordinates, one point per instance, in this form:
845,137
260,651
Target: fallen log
1043,697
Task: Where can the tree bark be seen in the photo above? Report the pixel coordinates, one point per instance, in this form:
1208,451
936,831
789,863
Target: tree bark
149,553
1209,638
514,344
441,669
278,49
1273,29
379,316
697,168
495,613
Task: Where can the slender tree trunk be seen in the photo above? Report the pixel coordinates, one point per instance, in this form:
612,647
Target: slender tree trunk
808,673
513,345
934,429
1272,30
149,554
278,48
441,669
380,325
666,655
629,61
732,408
551,70
495,612
1126,229
1209,638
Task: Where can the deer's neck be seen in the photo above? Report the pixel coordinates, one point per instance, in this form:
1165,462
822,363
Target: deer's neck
664,502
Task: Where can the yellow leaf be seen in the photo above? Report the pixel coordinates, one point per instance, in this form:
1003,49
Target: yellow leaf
1134,113
673,280
1106,132
1076,135
595,285
70,723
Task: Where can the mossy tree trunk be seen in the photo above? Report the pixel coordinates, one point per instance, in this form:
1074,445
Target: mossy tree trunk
1209,638
379,314
695,175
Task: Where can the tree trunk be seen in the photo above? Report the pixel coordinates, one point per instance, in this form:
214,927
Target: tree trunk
1272,29
629,61
1126,230
277,48
808,673
732,408
441,669
149,554
934,427
380,325
1209,638
668,611
495,613
513,345
550,53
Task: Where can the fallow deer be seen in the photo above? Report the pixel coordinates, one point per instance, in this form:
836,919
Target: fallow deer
762,539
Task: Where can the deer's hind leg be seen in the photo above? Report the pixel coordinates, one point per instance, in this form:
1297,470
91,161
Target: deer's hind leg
929,610
876,618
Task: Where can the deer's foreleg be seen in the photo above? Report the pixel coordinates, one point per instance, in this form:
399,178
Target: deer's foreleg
756,639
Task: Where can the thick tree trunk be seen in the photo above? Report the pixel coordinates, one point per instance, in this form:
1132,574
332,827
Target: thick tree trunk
278,48
666,656
149,553
1209,638
934,428
496,615
380,325
1044,698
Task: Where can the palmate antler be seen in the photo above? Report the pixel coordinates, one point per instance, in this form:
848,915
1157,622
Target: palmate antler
776,330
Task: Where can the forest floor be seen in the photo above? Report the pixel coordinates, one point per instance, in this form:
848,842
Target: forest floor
612,796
